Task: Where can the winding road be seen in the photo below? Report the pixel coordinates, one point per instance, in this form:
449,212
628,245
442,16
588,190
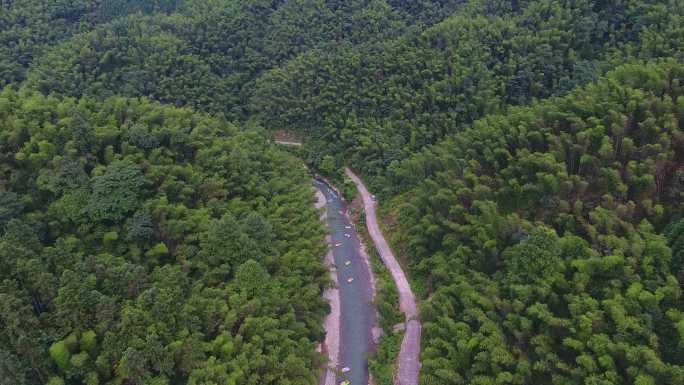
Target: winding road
349,326
409,354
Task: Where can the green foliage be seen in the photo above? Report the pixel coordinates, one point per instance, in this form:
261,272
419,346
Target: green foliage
675,236
29,27
116,192
60,355
328,166
56,381
71,342
534,234
382,363
140,227
110,237
79,360
88,341
209,56
221,244
534,258
252,278
172,247
373,105
229,242
11,370
10,207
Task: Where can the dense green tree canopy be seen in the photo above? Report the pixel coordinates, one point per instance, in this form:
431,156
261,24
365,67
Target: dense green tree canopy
535,235
148,244
528,153
210,55
29,27
375,104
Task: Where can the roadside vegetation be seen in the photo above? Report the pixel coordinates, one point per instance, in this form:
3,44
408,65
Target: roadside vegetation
383,364
143,243
548,238
530,154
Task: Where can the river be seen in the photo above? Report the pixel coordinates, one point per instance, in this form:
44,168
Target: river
357,315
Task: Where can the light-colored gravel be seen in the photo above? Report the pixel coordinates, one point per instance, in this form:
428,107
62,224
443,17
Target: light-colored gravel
409,354
331,324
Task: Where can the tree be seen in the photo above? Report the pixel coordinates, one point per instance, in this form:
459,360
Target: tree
251,278
116,192
535,258
128,276
10,207
328,166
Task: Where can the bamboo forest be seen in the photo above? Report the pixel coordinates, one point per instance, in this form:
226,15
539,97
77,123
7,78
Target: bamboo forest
325,192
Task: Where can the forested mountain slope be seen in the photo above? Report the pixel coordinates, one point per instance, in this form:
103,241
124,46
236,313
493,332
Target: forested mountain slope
142,243
541,217
28,27
209,56
535,236
376,104
147,244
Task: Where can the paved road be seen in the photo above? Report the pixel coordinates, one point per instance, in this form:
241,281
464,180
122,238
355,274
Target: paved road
357,315
287,143
409,354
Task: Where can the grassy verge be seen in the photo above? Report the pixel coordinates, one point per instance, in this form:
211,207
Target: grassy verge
388,211
382,364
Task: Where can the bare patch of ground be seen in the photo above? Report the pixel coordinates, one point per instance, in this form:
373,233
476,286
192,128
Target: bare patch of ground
331,324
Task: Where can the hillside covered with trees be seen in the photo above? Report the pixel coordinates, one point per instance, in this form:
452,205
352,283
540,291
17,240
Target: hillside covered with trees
528,156
147,244
537,237
30,27
210,55
376,104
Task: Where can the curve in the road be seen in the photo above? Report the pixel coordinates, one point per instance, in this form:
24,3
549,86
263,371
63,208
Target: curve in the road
409,354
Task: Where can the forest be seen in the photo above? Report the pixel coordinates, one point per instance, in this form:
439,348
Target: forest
528,156
536,236
148,244
380,103
210,55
